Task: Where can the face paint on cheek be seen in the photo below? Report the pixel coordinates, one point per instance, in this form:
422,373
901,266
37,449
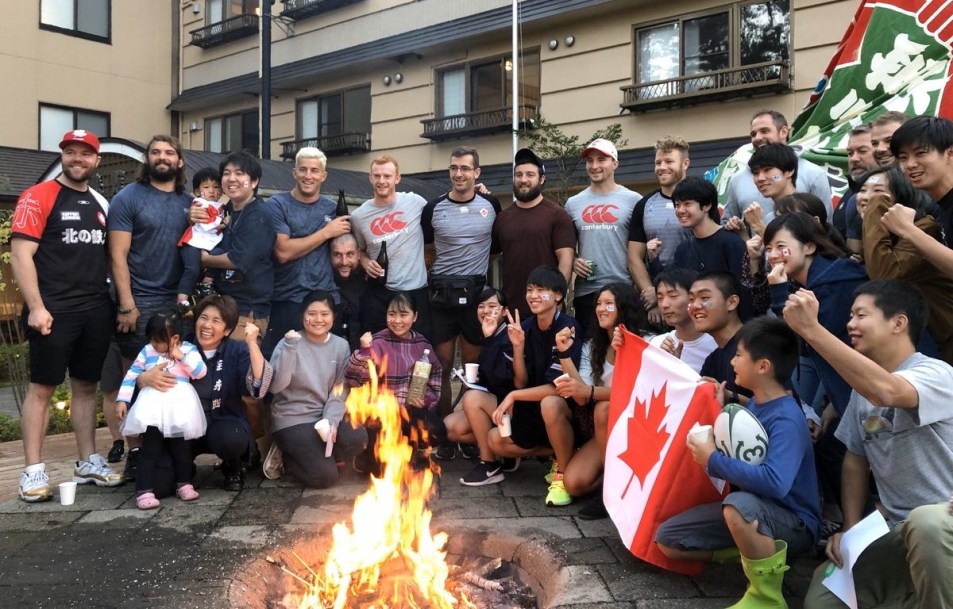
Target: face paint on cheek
785,253
546,297
776,177
610,308
708,305
245,183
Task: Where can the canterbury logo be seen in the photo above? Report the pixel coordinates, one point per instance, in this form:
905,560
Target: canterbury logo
385,225
599,214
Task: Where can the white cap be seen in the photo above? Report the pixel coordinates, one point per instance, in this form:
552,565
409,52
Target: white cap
604,146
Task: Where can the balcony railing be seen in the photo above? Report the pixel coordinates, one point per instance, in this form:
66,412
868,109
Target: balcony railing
477,123
344,143
224,31
746,81
302,9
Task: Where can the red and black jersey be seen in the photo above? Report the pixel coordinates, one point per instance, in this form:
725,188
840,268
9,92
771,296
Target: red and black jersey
71,259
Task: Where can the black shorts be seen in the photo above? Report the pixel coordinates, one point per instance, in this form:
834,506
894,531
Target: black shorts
131,343
113,370
449,322
529,429
78,342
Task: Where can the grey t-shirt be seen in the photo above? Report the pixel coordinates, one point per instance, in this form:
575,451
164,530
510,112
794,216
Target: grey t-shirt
742,192
156,220
910,451
296,279
602,233
308,382
461,234
399,225
654,218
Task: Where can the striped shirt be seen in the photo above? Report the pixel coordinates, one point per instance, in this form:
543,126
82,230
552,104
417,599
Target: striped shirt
191,366
400,355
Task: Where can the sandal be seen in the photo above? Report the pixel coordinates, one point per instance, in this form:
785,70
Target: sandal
147,501
187,492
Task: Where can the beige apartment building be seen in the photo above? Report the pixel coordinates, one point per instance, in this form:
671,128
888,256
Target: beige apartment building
102,65
415,78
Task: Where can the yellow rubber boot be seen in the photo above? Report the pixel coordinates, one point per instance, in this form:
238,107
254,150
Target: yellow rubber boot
765,577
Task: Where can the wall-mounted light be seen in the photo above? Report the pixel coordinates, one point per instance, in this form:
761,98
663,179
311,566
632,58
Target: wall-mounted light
508,65
387,81
553,44
196,8
194,126
398,78
570,40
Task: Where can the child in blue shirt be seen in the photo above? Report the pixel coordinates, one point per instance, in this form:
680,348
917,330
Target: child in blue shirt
775,506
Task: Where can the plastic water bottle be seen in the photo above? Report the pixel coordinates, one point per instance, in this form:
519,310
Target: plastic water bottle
419,378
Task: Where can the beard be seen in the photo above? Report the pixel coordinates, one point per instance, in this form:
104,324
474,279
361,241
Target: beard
163,173
526,196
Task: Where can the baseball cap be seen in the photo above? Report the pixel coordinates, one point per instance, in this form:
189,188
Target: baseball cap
604,146
525,155
83,137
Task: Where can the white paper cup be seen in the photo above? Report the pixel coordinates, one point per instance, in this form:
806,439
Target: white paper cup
506,430
323,427
472,372
67,493
700,432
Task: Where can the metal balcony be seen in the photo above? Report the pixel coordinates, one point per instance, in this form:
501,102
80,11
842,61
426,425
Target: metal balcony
345,143
230,29
477,123
731,83
302,9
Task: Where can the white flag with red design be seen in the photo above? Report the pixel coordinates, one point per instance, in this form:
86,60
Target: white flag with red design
650,474
206,235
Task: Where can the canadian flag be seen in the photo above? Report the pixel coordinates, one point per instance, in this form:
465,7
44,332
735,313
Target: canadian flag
650,474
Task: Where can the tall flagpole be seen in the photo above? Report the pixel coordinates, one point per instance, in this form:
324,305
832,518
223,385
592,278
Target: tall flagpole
516,80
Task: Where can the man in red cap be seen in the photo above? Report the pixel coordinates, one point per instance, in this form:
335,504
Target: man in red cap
58,244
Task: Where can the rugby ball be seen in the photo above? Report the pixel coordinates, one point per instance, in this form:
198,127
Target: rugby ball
740,435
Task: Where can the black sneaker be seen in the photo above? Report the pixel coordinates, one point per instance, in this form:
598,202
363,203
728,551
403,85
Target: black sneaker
511,464
469,451
234,477
116,452
445,452
828,528
483,473
595,509
132,464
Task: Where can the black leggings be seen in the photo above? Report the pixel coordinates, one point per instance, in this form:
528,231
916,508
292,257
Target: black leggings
303,452
225,438
152,454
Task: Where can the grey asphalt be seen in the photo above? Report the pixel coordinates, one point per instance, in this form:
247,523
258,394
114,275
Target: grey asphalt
102,552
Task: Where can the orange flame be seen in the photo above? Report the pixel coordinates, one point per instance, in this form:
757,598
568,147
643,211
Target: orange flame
390,521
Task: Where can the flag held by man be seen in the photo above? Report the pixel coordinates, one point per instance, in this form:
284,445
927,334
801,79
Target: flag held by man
649,472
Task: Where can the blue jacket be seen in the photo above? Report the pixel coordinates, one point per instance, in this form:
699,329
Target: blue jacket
833,281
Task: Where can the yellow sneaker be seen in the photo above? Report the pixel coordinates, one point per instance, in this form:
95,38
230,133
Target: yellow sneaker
557,494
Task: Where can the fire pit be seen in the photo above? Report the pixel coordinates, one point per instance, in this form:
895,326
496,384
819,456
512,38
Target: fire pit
385,556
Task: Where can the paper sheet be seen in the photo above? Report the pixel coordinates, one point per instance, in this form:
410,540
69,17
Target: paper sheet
840,581
463,379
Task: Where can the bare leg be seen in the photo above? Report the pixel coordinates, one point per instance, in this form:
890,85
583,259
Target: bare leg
478,407
506,447
35,418
458,428
109,411
750,542
600,417
82,416
445,351
583,473
558,419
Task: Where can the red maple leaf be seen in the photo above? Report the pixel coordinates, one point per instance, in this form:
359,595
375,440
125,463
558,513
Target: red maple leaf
646,437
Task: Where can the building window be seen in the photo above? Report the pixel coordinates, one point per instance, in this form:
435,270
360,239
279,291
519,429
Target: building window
337,123
476,97
57,120
734,36
232,133
742,49
217,11
487,85
84,18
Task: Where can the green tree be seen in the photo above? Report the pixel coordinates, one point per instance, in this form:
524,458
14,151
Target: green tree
562,152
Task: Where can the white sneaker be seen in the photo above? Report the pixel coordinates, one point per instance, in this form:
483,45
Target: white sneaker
96,470
35,486
273,466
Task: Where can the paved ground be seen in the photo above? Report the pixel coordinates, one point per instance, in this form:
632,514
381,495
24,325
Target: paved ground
104,553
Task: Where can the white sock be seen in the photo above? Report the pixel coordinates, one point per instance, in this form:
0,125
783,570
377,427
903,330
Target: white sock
36,467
